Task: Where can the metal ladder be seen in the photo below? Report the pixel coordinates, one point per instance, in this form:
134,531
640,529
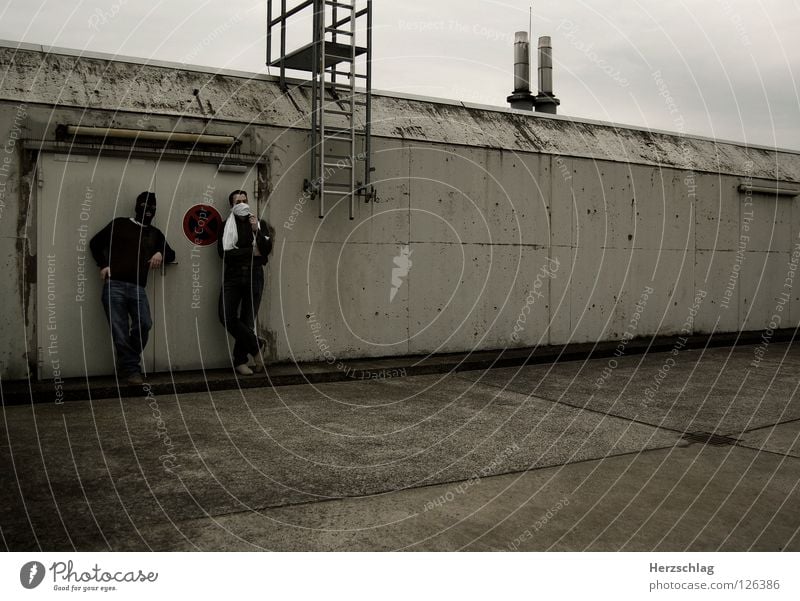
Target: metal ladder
332,58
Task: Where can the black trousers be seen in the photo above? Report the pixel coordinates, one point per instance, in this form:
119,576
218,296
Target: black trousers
239,299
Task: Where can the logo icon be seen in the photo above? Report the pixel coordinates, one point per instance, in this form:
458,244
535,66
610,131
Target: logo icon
402,267
31,574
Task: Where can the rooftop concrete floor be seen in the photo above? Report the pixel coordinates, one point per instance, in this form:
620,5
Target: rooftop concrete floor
542,457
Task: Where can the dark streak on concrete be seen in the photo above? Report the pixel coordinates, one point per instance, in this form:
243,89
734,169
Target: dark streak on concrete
23,392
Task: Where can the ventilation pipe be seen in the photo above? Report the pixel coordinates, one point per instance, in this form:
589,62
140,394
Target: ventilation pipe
521,98
545,101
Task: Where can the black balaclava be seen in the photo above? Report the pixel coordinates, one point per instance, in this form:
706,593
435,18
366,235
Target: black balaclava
145,208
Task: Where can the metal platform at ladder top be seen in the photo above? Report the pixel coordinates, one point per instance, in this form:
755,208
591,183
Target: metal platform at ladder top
337,104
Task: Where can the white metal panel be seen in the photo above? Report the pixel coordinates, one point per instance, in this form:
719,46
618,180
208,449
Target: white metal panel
79,195
187,333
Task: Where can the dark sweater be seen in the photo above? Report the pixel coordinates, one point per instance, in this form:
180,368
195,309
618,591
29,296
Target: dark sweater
242,255
126,247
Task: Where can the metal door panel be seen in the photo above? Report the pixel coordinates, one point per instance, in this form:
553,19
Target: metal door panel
78,196
189,334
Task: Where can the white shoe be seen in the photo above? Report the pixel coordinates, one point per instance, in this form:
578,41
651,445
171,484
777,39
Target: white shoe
244,370
257,368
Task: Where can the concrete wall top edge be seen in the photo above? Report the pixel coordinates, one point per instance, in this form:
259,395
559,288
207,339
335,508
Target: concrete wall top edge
36,74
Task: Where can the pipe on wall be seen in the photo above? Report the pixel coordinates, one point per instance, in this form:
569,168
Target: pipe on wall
141,134
776,190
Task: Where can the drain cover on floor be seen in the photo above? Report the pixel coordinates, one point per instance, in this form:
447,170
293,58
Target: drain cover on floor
715,440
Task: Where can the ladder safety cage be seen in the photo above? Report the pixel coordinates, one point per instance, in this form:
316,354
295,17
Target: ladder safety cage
338,56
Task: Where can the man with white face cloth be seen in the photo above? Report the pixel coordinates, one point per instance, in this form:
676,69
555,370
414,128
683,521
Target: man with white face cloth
243,247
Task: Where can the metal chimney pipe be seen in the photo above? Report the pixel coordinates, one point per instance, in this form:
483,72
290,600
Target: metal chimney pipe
546,102
545,65
521,98
522,62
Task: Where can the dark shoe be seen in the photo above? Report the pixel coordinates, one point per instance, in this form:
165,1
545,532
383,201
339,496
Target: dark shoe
134,379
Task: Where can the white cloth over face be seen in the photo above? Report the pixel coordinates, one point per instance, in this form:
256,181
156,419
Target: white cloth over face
230,236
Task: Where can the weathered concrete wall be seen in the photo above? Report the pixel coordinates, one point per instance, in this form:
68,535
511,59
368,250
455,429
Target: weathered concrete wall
522,229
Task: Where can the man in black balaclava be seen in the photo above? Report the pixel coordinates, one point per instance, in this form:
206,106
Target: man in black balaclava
145,208
125,251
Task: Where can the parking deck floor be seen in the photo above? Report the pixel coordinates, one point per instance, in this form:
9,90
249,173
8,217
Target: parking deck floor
693,450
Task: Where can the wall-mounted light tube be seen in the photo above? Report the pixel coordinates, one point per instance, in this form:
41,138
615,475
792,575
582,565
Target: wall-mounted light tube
774,190
233,168
141,134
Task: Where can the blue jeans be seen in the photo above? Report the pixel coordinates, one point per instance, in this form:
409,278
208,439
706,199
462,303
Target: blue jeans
239,300
128,314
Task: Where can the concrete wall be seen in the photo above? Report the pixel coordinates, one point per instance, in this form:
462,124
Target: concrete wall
522,229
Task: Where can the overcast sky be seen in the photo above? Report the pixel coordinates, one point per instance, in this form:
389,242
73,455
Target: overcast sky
720,68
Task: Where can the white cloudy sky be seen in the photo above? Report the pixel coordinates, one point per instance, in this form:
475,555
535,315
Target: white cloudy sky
731,66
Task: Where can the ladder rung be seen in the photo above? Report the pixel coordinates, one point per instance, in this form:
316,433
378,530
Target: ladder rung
335,137
339,31
340,4
339,156
337,165
359,13
340,99
342,133
336,112
343,130
348,99
346,74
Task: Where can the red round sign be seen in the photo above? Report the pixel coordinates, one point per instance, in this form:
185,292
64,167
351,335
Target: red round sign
202,225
